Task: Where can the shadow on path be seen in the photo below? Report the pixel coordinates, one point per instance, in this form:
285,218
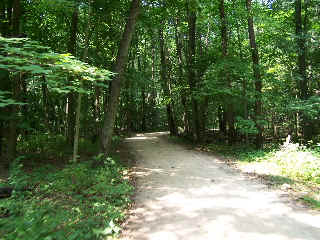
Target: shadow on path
184,194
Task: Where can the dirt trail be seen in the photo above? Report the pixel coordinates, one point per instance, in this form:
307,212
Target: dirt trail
188,195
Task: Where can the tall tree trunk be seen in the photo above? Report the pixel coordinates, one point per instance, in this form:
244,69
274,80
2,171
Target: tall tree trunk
16,18
71,115
13,111
192,18
129,106
244,80
129,99
165,84
302,80
178,39
153,102
45,102
257,76
222,120
78,110
5,115
224,47
204,102
9,18
143,100
9,152
112,106
3,19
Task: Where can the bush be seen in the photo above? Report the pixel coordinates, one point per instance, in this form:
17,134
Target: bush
77,202
291,164
298,162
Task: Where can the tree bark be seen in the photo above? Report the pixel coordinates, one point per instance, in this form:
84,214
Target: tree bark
45,102
71,115
302,80
178,39
78,110
257,76
222,120
9,18
10,134
244,81
13,110
16,18
153,97
3,18
121,60
224,47
165,84
192,18
143,125
130,105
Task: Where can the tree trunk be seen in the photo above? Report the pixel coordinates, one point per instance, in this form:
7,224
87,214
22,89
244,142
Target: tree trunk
3,18
143,100
224,47
244,82
10,135
222,120
112,106
204,104
78,110
4,120
71,116
191,72
45,102
257,77
153,96
9,18
77,128
178,39
16,18
165,84
302,80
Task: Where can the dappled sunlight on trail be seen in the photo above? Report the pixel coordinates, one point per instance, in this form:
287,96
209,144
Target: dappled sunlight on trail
146,136
183,194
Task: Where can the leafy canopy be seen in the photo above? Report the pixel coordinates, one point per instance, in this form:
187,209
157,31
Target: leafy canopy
24,56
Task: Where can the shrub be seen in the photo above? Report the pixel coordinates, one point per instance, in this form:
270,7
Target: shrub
77,202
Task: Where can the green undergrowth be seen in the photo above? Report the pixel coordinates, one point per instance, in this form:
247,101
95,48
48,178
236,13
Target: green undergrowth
79,201
44,147
294,166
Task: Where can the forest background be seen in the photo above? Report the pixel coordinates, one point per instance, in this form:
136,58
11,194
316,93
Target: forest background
229,75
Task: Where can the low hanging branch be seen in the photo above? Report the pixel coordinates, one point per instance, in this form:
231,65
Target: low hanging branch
22,55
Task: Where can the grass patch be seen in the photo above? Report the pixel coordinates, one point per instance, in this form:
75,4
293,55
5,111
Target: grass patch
312,201
65,201
292,164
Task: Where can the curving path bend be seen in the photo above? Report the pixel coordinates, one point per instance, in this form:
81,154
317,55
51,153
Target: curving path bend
188,195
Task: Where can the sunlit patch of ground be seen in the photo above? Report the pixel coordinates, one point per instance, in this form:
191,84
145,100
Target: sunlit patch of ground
291,169
146,136
190,195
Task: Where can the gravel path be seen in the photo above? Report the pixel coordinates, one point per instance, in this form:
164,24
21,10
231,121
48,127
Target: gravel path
188,195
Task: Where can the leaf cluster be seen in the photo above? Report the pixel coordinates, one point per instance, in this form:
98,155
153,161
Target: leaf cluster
24,56
77,202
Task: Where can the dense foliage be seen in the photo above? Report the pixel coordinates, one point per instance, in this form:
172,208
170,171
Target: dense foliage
236,71
78,201
290,167
247,68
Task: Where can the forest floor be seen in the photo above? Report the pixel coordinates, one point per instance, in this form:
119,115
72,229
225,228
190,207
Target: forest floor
186,194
